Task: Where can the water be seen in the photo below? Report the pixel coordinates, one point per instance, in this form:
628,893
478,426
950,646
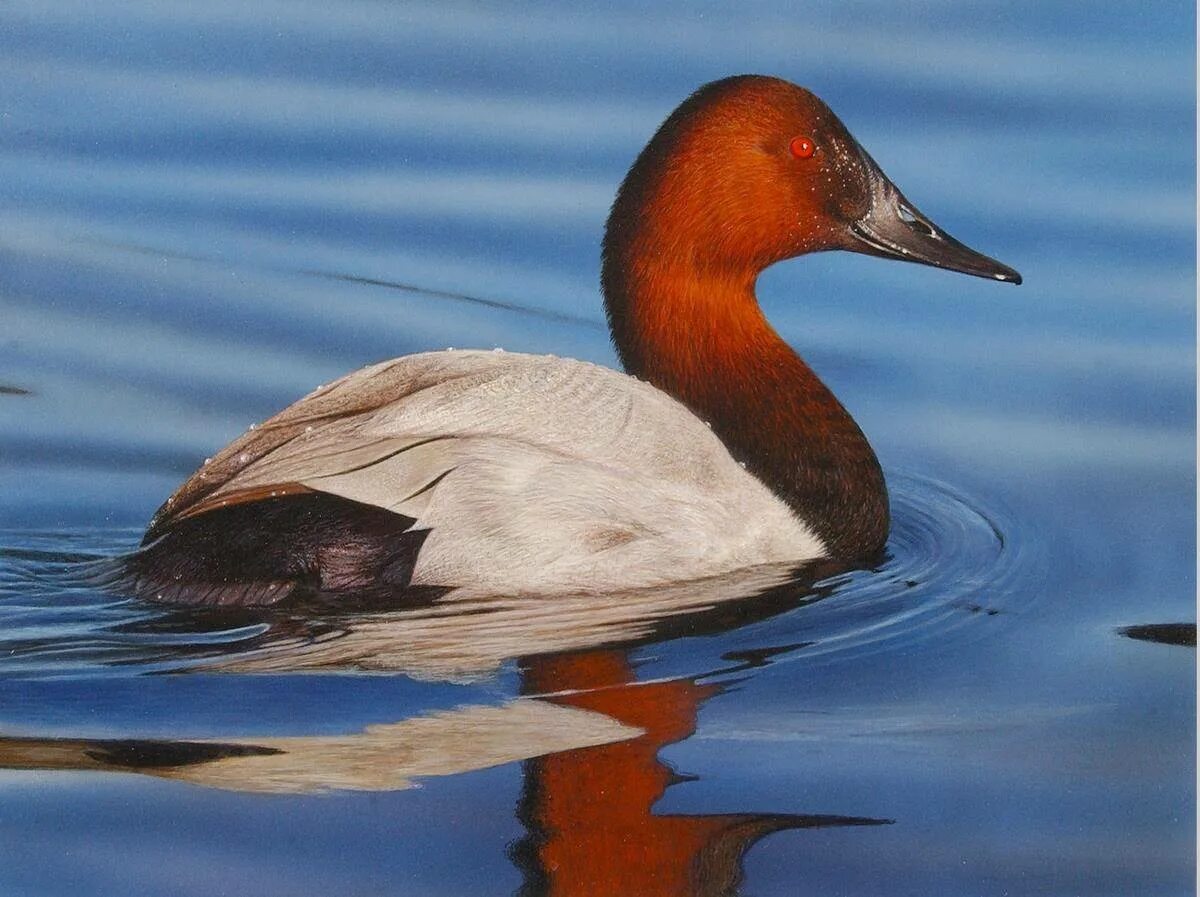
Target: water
205,211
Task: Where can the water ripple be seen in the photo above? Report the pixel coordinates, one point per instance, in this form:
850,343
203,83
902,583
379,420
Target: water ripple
949,561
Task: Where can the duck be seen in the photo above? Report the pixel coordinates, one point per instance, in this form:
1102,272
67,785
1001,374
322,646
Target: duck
717,448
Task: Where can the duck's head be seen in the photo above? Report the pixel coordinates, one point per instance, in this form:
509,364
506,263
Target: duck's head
751,170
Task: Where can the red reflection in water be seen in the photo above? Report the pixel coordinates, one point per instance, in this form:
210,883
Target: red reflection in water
588,811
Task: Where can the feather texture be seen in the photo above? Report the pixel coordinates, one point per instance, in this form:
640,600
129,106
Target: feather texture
528,473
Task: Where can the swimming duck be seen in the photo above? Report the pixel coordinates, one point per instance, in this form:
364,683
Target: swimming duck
717,449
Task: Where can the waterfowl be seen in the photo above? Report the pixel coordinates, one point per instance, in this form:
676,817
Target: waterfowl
718,448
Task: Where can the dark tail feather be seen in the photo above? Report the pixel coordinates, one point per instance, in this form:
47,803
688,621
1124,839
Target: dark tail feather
264,552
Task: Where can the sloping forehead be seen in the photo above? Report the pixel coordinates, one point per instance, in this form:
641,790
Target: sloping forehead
757,104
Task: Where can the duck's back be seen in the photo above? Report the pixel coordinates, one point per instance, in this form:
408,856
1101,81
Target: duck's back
491,469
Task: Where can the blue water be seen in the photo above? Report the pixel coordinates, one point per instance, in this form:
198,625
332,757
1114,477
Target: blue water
191,198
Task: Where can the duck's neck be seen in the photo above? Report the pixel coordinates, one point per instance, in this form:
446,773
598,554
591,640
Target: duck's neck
698,334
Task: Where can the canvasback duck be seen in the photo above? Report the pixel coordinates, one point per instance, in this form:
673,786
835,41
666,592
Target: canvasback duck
719,448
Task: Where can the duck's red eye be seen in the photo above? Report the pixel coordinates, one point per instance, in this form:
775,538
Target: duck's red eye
802,147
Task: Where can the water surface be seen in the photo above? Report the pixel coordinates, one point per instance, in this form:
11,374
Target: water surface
207,210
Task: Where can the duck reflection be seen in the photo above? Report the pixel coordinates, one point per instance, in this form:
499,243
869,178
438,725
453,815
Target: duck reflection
588,812
586,730
464,635
589,734
387,757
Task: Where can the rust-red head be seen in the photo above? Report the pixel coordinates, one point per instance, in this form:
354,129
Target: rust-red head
751,170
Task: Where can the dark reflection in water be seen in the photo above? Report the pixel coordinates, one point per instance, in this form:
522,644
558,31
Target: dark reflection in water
119,754
1163,633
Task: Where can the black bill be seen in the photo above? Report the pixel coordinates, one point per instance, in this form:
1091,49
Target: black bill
894,228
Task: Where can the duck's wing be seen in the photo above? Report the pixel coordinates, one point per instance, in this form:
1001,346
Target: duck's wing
386,434
508,471
315,437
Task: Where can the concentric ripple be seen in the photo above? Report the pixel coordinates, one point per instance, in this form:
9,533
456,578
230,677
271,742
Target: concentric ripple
948,562
54,620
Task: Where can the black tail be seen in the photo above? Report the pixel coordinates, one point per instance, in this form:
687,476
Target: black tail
263,552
